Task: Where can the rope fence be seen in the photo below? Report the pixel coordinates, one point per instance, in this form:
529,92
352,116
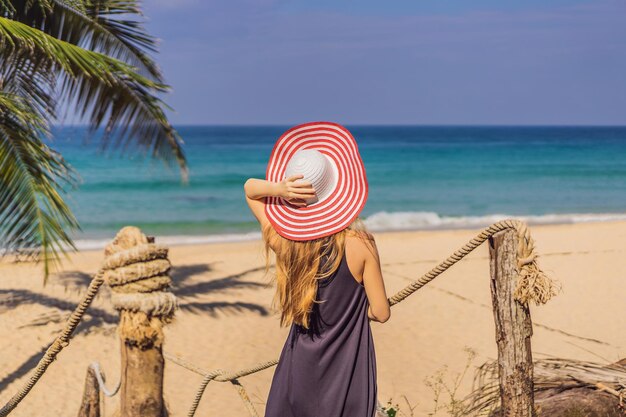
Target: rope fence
533,285
220,375
138,277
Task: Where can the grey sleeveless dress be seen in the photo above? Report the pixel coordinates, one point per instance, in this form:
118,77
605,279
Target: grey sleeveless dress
328,370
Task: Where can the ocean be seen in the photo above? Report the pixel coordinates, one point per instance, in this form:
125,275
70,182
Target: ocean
419,178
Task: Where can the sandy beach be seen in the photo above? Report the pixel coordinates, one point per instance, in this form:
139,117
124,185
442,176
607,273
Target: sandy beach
225,318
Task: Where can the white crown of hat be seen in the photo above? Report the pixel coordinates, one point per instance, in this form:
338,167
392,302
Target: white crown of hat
318,169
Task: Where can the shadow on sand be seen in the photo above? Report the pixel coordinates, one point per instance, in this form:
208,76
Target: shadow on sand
184,287
22,370
186,290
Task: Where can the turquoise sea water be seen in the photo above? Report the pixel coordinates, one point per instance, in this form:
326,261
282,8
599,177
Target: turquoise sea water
420,177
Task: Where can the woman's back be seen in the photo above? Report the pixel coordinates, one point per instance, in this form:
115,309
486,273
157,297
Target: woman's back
308,208
329,369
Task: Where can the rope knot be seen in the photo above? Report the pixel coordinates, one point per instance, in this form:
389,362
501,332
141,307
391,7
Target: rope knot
533,284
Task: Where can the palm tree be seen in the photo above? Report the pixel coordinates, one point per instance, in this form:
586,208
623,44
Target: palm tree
90,55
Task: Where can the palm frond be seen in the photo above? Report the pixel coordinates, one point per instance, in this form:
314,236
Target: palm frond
34,83
557,373
6,8
110,27
114,20
95,55
33,214
108,90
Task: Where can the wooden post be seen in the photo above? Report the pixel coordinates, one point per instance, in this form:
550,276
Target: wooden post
90,406
140,329
513,329
142,370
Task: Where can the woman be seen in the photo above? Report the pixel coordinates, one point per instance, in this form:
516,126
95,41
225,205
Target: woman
329,281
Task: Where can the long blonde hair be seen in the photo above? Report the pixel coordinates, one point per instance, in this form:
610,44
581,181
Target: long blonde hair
299,267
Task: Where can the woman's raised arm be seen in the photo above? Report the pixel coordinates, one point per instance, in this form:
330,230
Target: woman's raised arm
292,190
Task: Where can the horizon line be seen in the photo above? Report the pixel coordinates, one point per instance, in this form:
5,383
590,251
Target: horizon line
377,125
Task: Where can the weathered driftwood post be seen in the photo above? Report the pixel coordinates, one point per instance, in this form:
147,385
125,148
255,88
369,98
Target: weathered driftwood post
90,406
513,328
140,291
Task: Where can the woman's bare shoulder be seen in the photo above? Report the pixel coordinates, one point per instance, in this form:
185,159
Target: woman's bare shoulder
360,251
361,243
362,235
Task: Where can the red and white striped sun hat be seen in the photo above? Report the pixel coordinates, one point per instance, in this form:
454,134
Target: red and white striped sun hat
327,155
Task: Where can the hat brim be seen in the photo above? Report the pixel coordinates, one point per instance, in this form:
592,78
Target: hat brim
337,211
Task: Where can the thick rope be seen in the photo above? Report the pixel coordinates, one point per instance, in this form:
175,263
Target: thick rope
59,343
139,277
245,398
219,375
96,368
533,285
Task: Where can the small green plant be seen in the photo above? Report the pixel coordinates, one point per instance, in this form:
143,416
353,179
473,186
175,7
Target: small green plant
391,410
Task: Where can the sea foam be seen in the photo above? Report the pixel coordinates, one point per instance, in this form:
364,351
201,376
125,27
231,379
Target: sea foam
386,222
424,220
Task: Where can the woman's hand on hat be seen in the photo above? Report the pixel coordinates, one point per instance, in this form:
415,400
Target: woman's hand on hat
294,191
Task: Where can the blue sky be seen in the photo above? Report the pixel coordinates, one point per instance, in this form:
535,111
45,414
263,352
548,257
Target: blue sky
393,61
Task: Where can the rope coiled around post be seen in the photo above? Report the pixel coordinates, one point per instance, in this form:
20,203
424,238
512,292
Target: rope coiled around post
120,267
139,275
